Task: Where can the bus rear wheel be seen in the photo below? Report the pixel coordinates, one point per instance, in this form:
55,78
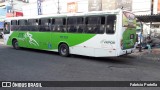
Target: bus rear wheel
63,50
15,44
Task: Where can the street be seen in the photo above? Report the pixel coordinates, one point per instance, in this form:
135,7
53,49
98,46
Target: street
36,65
127,31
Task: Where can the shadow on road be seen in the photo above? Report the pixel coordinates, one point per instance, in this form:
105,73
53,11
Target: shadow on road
38,51
119,60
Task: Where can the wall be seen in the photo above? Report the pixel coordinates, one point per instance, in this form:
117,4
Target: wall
30,10
51,7
156,7
115,4
141,7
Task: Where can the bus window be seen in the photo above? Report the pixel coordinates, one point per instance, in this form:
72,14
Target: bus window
101,25
14,22
71,24
92,24
6,29
110,26
64,21
14,26
44,24
53,25
80,24
33,24
59,25
22,24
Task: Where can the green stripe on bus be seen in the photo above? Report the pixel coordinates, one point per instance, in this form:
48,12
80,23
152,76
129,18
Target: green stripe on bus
48,40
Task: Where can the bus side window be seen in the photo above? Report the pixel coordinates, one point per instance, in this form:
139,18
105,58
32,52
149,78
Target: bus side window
80,24
52,24
110,26
59,25
64,29
33,24
44,25
14,25
86,23
22,25
102,25
92,24
71,24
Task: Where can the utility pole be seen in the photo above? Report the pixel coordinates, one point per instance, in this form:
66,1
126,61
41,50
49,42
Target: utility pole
140,45
12,8
58,7
152,4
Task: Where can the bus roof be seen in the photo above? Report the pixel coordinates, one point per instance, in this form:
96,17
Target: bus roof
66,15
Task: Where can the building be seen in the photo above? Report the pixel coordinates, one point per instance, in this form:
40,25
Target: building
70,6
44,7
150,17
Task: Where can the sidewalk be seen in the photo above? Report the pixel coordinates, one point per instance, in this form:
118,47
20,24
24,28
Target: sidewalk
146,51
146,55
1,41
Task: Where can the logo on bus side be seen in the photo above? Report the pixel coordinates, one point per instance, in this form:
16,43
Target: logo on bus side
107,42
31,40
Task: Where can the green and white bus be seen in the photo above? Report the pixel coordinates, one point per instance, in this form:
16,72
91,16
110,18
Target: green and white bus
95,34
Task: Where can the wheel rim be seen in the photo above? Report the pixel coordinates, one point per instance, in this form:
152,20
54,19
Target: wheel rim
16,45
63,50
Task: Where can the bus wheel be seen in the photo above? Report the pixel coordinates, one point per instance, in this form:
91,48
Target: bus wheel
63,50
15,44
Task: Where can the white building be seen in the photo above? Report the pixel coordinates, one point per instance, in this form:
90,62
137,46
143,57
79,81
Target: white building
53,6
141,7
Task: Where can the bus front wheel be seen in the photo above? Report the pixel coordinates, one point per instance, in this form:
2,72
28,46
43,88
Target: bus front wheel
15,44
63,50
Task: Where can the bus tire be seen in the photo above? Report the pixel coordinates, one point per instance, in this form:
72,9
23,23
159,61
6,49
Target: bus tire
63,50
15,44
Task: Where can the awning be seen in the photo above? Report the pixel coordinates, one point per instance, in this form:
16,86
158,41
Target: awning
149,18
2,5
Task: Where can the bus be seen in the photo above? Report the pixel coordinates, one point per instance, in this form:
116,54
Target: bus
96,34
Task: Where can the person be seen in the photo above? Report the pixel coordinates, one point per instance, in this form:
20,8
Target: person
149,41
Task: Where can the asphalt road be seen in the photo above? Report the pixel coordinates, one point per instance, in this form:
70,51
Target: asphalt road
36,65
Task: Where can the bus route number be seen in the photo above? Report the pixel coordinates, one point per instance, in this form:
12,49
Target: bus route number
64,37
